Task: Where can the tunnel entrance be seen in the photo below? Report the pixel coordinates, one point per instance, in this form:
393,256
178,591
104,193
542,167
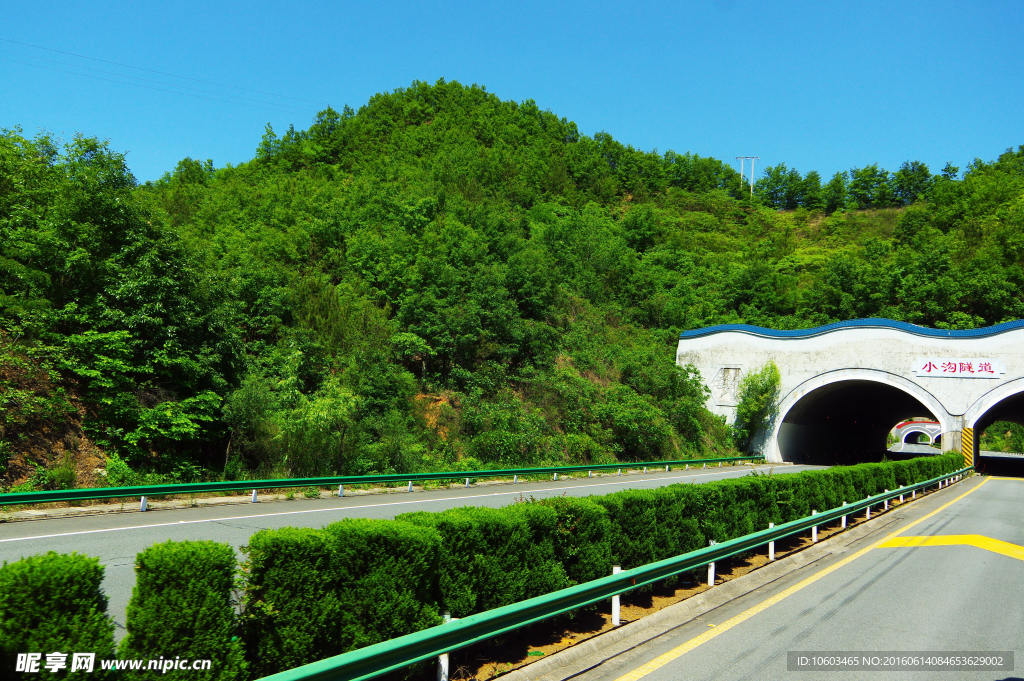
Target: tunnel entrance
999,447
846,422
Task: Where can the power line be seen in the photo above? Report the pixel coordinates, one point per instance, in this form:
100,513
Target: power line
148,87
147,80
162,73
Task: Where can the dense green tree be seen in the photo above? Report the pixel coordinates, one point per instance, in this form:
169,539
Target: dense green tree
442,279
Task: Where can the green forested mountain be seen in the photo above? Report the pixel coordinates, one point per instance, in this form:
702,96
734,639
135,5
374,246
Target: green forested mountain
441,279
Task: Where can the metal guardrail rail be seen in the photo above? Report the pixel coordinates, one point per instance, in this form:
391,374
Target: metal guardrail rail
387,656
48,496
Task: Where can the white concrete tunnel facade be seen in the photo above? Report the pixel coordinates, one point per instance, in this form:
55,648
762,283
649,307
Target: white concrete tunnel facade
963,379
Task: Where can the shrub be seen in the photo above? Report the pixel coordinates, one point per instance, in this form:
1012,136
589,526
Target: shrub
182,605
53,602
758,393
651,525
581,538
312,594
492,557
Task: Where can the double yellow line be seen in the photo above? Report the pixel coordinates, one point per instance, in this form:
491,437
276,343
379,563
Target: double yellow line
678,652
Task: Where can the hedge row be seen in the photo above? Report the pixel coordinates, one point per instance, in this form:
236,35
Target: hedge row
311,594
317,593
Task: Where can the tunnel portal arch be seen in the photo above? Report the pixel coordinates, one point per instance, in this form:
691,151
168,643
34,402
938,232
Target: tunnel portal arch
863,404
1004,403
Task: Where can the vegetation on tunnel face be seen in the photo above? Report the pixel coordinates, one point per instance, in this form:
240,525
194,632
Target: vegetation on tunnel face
438,280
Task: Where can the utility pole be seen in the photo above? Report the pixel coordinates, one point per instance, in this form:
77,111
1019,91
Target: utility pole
752,159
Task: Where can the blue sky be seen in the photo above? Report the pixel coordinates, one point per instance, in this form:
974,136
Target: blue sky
816,85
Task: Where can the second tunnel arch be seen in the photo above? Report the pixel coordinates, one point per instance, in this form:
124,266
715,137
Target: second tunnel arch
844,416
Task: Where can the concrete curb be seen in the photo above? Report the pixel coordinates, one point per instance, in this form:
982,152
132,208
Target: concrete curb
579,658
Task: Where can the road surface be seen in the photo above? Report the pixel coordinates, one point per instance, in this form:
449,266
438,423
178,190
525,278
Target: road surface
948,581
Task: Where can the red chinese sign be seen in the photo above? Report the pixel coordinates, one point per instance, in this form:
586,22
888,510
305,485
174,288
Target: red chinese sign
958,367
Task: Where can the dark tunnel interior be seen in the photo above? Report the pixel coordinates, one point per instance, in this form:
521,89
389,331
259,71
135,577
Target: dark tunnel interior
845,422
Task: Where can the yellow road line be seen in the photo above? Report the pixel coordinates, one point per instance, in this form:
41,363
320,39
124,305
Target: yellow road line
976,540
679,651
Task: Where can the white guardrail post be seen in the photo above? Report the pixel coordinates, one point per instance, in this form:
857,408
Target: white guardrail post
341,490
886,501
143,504
771,544
255,499
711,566
442,659
410,486
844,517
868,516
616,569
901,496
814,530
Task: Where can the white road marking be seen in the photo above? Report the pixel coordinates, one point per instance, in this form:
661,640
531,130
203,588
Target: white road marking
350,508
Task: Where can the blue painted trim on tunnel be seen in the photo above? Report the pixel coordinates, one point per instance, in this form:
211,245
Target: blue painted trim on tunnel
983,332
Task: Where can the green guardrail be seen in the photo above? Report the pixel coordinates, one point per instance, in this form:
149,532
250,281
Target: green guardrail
243,485
397,653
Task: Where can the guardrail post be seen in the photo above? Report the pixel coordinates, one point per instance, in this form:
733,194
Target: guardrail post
645,470
719,464
590,474
616,569
410,486
442,659
467,482
814,530
868,517
901,496
886,501
705,465
711,566
143,504
666,468
687,467
555,478
620,471
515,479
771,544
341,490
913,494
255,499
844,517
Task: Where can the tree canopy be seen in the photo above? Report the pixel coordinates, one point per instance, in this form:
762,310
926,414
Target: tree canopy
443,279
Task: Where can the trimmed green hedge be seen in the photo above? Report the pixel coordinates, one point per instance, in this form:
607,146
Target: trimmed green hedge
182,606
492,557
53,602
312,594
651,525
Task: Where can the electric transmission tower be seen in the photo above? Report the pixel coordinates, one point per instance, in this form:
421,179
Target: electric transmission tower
741,159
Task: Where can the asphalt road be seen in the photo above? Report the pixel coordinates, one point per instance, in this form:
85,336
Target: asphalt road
906,447
117,538
879,593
